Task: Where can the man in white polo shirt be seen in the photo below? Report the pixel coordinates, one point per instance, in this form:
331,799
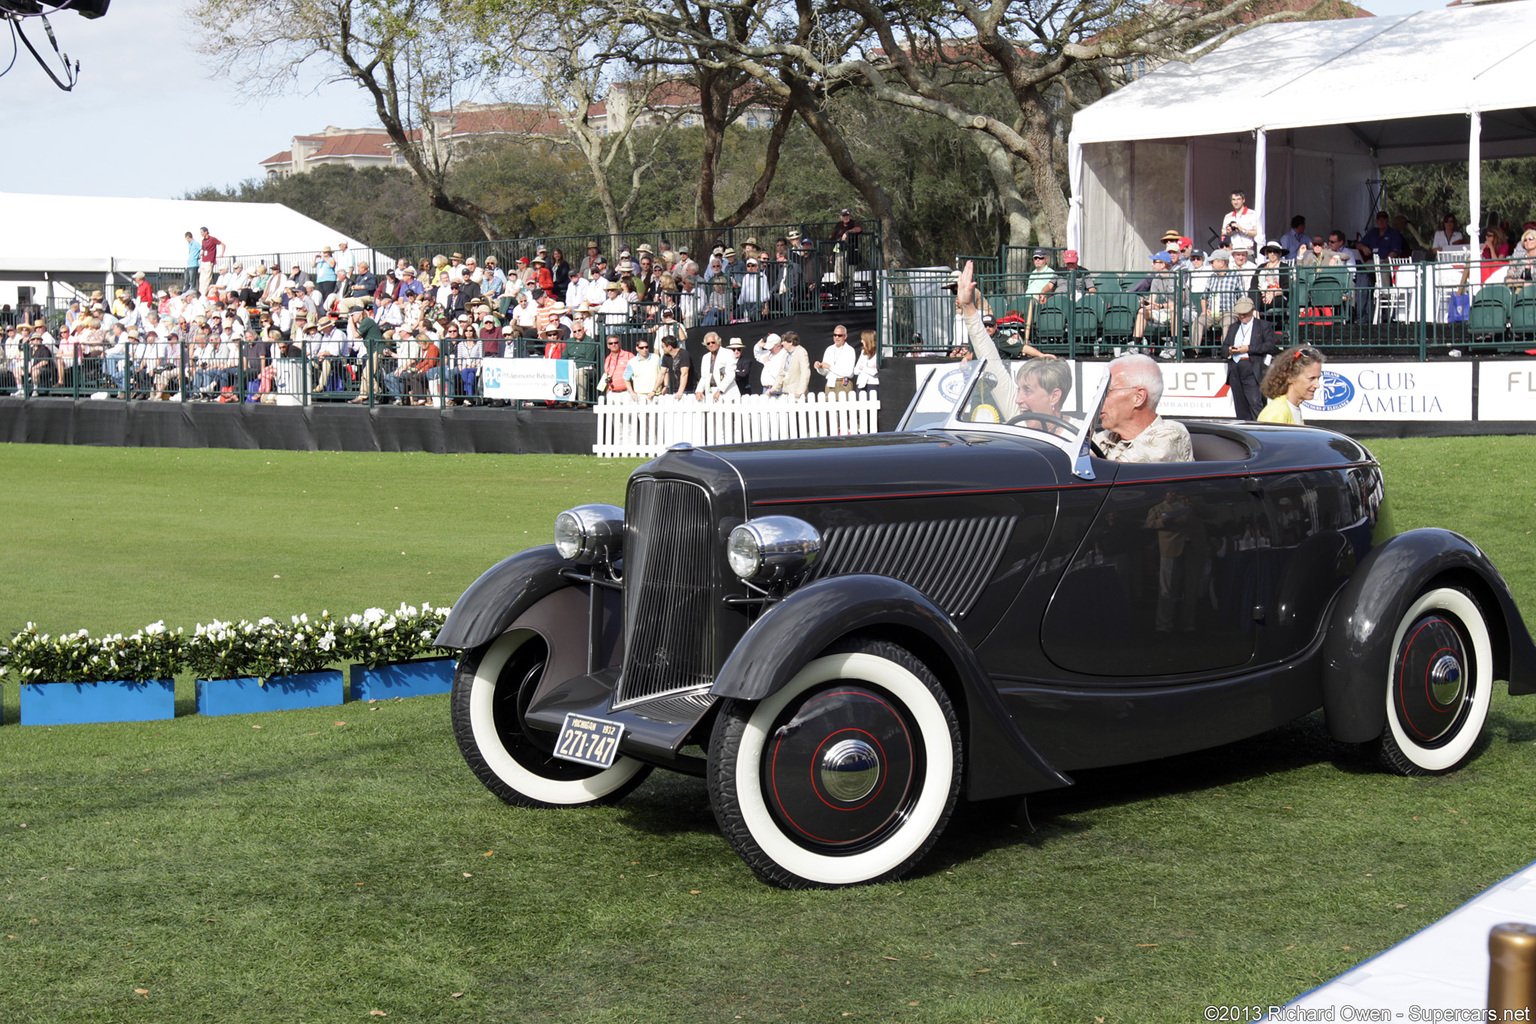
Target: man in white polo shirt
837,362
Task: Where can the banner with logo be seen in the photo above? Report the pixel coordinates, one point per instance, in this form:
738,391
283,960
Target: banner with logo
1197,389
529,380
1189,389
1349,391
941,398
1506,390
1393,391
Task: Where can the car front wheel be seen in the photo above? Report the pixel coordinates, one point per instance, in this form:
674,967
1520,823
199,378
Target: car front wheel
1440,684
845,776
491,691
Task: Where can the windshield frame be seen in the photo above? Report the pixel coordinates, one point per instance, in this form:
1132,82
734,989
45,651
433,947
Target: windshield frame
1077,446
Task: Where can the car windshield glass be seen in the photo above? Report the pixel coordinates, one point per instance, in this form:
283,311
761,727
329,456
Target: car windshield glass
1033,396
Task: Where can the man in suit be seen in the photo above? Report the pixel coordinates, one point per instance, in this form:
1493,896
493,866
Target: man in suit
795,379
1248,345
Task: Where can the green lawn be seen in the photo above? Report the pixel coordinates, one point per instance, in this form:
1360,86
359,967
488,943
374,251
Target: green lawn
112,538
317,866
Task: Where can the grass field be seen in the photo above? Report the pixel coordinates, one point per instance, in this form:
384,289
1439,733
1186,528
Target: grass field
112,538
319,866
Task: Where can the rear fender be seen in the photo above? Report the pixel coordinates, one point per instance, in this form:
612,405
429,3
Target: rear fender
501,594
1357,650
999,760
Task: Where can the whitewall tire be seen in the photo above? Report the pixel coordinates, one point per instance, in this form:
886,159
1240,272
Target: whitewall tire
1439,684
845,776
490,693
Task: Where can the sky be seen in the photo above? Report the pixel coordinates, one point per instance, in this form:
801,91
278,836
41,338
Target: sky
160,123
156,119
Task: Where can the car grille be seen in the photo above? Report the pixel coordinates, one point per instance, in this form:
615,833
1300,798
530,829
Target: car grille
948,561
669,568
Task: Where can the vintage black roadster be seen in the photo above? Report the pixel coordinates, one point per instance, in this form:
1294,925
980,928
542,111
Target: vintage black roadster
846,635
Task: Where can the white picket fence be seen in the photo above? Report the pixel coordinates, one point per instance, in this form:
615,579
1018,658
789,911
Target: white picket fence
629,428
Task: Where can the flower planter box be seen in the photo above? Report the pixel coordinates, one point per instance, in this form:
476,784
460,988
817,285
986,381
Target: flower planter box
282,693
127,700
403,679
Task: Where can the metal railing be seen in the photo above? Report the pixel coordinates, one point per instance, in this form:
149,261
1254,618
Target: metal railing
310,373
1395,310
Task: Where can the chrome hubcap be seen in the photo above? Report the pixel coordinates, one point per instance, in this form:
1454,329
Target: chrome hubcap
1445,679
849,770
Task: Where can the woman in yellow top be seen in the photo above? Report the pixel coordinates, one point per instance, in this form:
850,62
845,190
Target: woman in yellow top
1291,379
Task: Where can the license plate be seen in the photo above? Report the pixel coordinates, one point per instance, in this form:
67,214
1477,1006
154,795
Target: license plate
588,740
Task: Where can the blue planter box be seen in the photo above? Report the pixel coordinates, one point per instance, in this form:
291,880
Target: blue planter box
116,701
403,679
282,693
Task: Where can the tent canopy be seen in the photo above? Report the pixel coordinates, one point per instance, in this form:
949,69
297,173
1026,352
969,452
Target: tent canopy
1401,81
92,234
1332,100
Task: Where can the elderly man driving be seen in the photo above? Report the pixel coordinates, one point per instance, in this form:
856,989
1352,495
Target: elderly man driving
1133,431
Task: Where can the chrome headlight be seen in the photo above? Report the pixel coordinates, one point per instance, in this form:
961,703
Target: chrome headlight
589,533
773,549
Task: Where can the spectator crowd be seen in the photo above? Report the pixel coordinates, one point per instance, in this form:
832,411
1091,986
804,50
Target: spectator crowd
1187,299
334,326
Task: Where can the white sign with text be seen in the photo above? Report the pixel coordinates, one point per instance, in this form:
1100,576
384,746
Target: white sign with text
1393,391
529,380
1506,391
1349,391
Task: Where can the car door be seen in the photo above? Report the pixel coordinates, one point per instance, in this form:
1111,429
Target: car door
1166,579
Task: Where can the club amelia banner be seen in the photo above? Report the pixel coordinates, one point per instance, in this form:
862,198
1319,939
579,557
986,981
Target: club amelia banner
535,380
1393,391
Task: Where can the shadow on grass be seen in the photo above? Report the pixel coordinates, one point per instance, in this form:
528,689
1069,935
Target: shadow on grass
668,804
672,804
1045,818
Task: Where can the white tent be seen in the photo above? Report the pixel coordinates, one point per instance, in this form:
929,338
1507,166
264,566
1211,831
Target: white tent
1301,117
50,239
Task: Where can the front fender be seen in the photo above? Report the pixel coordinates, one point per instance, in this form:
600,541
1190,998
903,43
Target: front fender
794,631
500,595
1357,650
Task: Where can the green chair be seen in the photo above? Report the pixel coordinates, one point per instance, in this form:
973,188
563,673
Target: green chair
1522,315
1051,321
1086,314
1499,293
1489,319
1325,296
1119,318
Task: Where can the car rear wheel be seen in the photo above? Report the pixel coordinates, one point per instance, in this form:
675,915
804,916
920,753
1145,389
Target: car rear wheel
1440,684
845,776
491,691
